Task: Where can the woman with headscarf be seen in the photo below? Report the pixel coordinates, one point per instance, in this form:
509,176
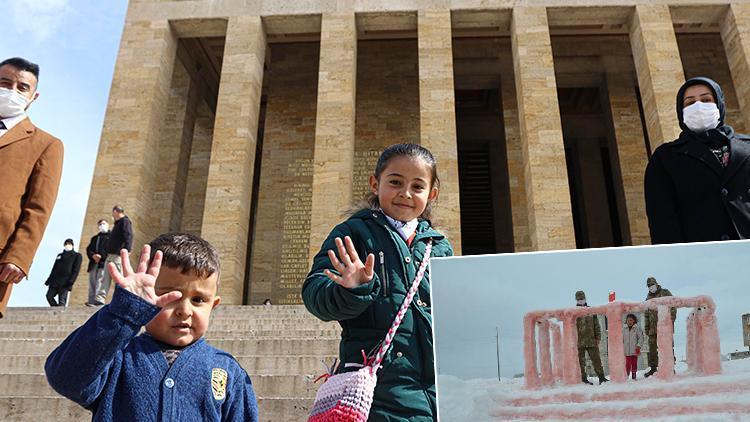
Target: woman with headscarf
698,186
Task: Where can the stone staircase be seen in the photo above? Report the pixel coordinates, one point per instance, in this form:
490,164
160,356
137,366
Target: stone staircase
280,347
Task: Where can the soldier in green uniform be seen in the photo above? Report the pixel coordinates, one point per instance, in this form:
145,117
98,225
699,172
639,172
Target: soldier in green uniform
589,335
652,317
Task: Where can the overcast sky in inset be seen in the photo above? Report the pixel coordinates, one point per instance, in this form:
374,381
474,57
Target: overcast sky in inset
75,43
475,296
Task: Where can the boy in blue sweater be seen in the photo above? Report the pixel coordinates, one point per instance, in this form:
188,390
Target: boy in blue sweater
169,373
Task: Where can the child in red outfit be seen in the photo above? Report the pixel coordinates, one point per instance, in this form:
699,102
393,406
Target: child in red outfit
632,339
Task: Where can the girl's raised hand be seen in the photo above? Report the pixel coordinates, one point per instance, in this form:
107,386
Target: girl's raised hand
141,282
353,271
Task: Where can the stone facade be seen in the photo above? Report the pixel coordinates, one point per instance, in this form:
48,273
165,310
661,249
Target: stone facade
257,124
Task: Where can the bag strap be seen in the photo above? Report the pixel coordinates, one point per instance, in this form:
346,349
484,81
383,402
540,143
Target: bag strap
402,311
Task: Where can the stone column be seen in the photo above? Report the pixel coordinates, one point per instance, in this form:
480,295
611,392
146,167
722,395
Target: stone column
126,163
226,218
437,115
516,177
546,178
631,153
197,175
333,162
659,69
735,33
174,153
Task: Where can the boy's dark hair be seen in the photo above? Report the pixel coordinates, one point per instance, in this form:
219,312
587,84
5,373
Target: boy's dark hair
188,253
22,64
409,150
102,221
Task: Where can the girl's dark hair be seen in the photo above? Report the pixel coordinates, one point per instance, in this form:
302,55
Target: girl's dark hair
408,150
631,316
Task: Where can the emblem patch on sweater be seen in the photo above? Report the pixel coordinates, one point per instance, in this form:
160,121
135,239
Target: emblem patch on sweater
219,383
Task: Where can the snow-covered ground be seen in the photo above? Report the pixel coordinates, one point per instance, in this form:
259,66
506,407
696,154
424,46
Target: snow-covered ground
687,397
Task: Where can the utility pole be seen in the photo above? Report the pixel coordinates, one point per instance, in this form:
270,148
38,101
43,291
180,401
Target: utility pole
497,347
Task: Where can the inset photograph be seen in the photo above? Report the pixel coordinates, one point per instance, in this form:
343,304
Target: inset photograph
652,332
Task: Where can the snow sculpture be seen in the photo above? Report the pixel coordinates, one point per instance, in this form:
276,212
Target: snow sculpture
560,363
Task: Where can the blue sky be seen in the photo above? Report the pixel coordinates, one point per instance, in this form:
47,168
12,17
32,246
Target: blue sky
473,296
75,43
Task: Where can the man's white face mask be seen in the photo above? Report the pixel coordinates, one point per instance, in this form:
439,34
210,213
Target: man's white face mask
68,248
581,302
103,228
12,103
652,288
700,117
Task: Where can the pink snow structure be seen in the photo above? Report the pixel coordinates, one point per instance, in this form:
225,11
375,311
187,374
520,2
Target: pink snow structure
561,363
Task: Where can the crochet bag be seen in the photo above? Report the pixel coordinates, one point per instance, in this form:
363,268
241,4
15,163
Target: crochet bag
348,396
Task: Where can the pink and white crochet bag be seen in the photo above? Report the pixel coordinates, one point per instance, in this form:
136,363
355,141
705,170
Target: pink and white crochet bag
347,397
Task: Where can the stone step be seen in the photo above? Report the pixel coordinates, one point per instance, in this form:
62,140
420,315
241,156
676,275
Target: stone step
60,409
237,347
216,326
18,314
35,385
254,365
59,333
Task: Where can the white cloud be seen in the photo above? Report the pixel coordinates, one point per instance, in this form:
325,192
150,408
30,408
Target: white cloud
39,19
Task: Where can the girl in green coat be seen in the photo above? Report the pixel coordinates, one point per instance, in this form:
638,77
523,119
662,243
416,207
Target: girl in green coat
362,273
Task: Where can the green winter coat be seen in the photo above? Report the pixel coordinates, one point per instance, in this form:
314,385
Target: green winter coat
652,315
406,380
588,331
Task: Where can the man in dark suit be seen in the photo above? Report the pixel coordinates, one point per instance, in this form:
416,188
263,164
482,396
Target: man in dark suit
30,167
97,254
121,237
63,275
696,186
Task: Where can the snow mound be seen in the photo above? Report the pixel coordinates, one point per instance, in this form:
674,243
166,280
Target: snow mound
686,397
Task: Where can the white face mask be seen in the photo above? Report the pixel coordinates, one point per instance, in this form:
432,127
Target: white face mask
581,302
652,288
12,103
700,117
69,247
103,228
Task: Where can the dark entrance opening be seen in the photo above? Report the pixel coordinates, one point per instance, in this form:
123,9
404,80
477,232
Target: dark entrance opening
591,176
486,222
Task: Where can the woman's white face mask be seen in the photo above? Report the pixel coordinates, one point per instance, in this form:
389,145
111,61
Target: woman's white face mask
652,288
700,117
581,302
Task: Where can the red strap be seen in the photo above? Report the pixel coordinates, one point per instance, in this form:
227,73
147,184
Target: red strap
411,238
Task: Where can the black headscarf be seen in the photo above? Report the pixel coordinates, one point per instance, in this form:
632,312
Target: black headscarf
713,138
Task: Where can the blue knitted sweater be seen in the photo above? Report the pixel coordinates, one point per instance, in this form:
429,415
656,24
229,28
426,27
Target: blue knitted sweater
106,367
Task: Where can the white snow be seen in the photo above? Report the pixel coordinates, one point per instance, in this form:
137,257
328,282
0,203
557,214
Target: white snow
687,397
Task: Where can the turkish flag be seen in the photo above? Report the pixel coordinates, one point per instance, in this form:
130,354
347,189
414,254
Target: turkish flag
611,296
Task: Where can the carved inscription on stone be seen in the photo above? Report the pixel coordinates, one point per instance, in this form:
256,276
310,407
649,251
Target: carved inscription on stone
364,166
296,232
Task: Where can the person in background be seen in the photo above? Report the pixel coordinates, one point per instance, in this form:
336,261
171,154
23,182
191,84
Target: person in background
696,187
63,275
632,339
589,335
30,169
96,251
121,237
652,318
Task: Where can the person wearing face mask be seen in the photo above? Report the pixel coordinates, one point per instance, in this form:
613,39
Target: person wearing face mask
696,186
652,318
30,167
63,275
97,253
589,335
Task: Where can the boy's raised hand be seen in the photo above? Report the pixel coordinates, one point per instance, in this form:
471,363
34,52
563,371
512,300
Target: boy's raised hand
142,281
353,271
